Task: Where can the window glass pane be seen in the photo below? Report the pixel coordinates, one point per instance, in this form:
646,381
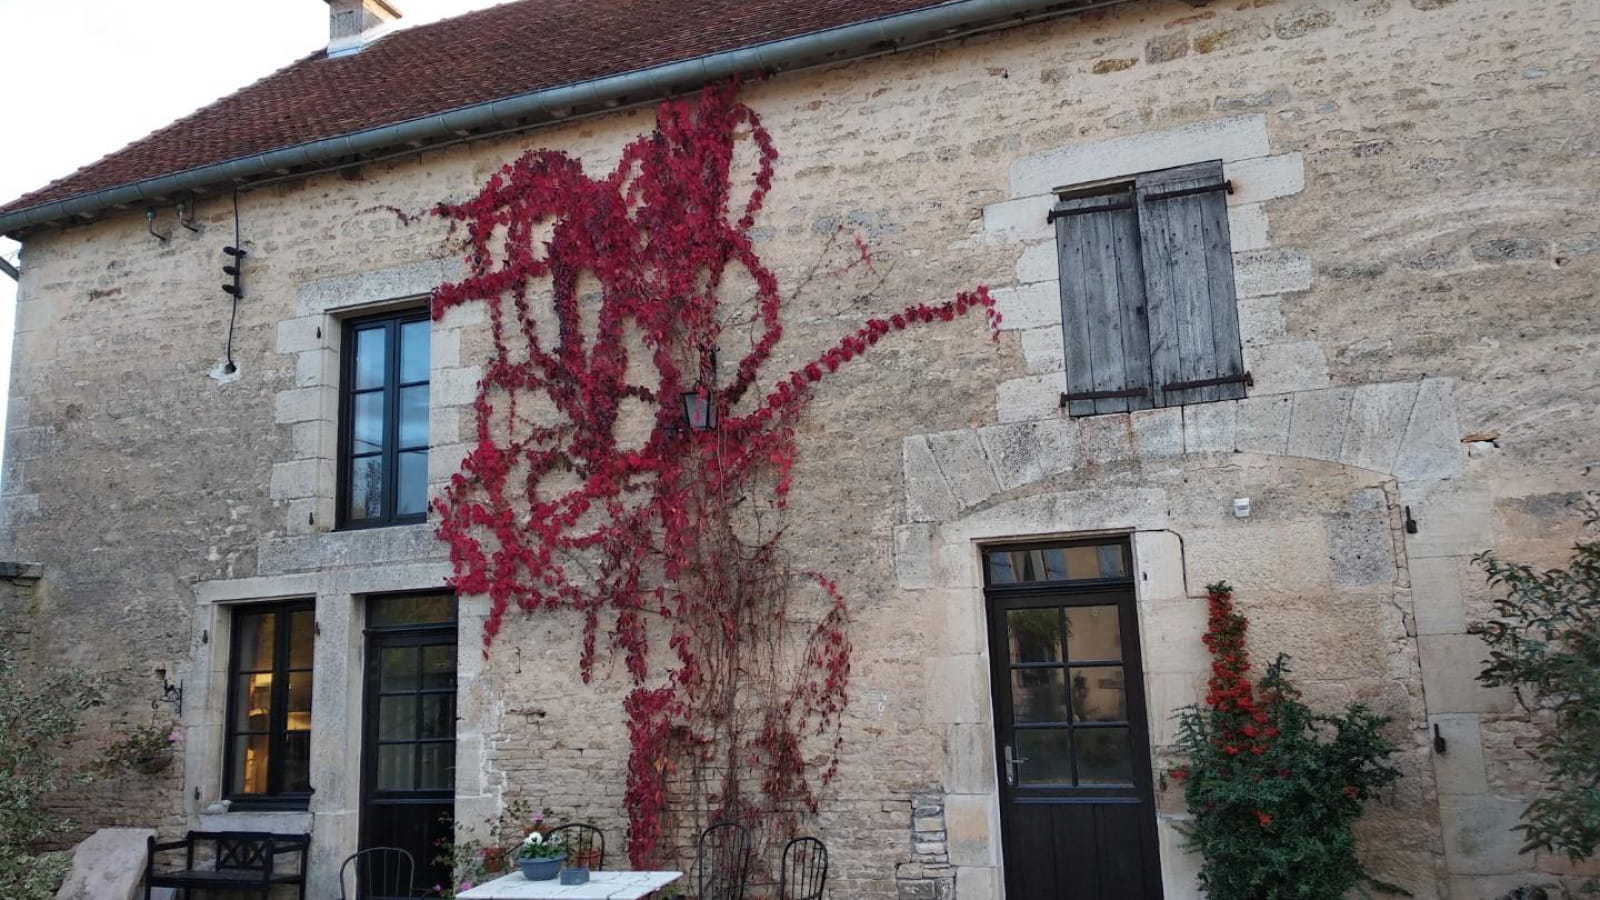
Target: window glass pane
1104,756
1038,695
413,610
395,767
370,358
1044,756
397,718
414,350
413,499
249,764
302,638
366,487
366,416
252,702
255,640
414,416
297,762
1093,632
438,668
399,672
1071,563
1035,634
438,716
438,767
1098,695
299,718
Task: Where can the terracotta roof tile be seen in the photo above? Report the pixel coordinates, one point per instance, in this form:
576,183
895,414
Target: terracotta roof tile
486,55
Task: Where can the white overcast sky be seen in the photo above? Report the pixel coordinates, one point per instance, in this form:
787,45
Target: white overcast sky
88,77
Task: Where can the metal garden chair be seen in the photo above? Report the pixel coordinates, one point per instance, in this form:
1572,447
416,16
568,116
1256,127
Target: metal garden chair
382,873
586,844
804,872
723,862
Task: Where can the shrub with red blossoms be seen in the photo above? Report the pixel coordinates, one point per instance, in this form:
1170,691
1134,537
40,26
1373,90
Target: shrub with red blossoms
1275,788
609,297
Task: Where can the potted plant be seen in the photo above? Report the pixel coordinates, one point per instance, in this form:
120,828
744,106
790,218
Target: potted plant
147,749
541,856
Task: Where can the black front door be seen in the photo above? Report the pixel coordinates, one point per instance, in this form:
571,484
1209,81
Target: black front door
1077,809
409,748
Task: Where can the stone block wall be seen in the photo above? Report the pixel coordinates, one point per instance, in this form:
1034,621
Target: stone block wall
1415,254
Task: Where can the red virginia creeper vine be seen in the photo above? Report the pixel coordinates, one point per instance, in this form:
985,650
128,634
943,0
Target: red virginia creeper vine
562,503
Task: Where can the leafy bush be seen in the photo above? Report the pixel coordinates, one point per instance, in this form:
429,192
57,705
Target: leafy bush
1544,642
34,717
1275,788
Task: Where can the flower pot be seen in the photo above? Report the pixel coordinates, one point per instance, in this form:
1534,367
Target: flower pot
156,762
541,869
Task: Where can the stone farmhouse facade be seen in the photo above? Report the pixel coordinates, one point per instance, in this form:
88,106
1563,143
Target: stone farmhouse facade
1391,205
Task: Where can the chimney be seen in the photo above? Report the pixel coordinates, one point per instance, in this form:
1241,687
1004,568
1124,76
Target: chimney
353,24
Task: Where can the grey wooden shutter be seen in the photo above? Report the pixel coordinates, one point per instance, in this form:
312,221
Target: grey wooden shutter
1103,303
1188,268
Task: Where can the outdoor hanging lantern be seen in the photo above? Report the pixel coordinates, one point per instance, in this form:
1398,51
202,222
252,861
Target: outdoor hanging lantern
699,409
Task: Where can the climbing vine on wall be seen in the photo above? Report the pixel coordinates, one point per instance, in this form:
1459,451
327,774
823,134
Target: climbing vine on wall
608,297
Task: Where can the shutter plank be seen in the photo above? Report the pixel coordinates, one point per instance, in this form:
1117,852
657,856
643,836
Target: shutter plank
1102,293
1194,328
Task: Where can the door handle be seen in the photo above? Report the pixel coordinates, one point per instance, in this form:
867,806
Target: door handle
1012,761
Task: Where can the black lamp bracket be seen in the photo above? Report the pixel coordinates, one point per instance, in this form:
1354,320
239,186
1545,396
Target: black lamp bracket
170,693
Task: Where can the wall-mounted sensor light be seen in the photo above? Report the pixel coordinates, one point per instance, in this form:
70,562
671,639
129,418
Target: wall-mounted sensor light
1241,508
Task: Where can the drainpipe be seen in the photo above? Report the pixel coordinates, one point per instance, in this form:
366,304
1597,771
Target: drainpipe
942,22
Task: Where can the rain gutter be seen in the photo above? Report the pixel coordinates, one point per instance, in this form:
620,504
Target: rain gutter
871,37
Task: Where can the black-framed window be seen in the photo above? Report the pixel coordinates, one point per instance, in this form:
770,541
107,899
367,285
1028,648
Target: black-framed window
1148,304
267,761
383,420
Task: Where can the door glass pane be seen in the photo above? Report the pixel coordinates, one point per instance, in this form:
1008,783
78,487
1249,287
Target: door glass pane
1038,695
414,350
1102,561
1035,634
1093,632
1104,756
255,641
438,766
1045,756
397,718
299,718
439,668
252,702
438,716
394,767
297,762
1098,695
366,487
302,638
369,366
249,764
366,416
399,669
413,484
414,416
413,610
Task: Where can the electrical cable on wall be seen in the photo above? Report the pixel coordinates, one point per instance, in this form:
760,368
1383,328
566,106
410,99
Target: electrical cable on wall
235,268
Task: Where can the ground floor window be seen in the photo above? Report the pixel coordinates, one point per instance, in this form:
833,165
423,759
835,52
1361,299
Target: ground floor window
268,758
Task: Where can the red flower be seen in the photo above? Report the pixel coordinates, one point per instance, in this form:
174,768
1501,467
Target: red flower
1263,818
1350,791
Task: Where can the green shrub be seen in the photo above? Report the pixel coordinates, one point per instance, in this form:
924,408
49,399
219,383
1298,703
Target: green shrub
1544,642
35,715
1275,788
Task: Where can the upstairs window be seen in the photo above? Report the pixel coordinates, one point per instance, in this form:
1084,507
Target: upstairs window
268,762
383,433
1147,294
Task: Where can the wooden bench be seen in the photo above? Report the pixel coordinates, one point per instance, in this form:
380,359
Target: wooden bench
242,861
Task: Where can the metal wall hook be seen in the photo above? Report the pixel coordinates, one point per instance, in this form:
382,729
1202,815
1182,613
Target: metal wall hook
170,693
150,226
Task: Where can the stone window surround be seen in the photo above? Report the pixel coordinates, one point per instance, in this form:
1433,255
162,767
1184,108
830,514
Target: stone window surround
1031,305
306,483
333,818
